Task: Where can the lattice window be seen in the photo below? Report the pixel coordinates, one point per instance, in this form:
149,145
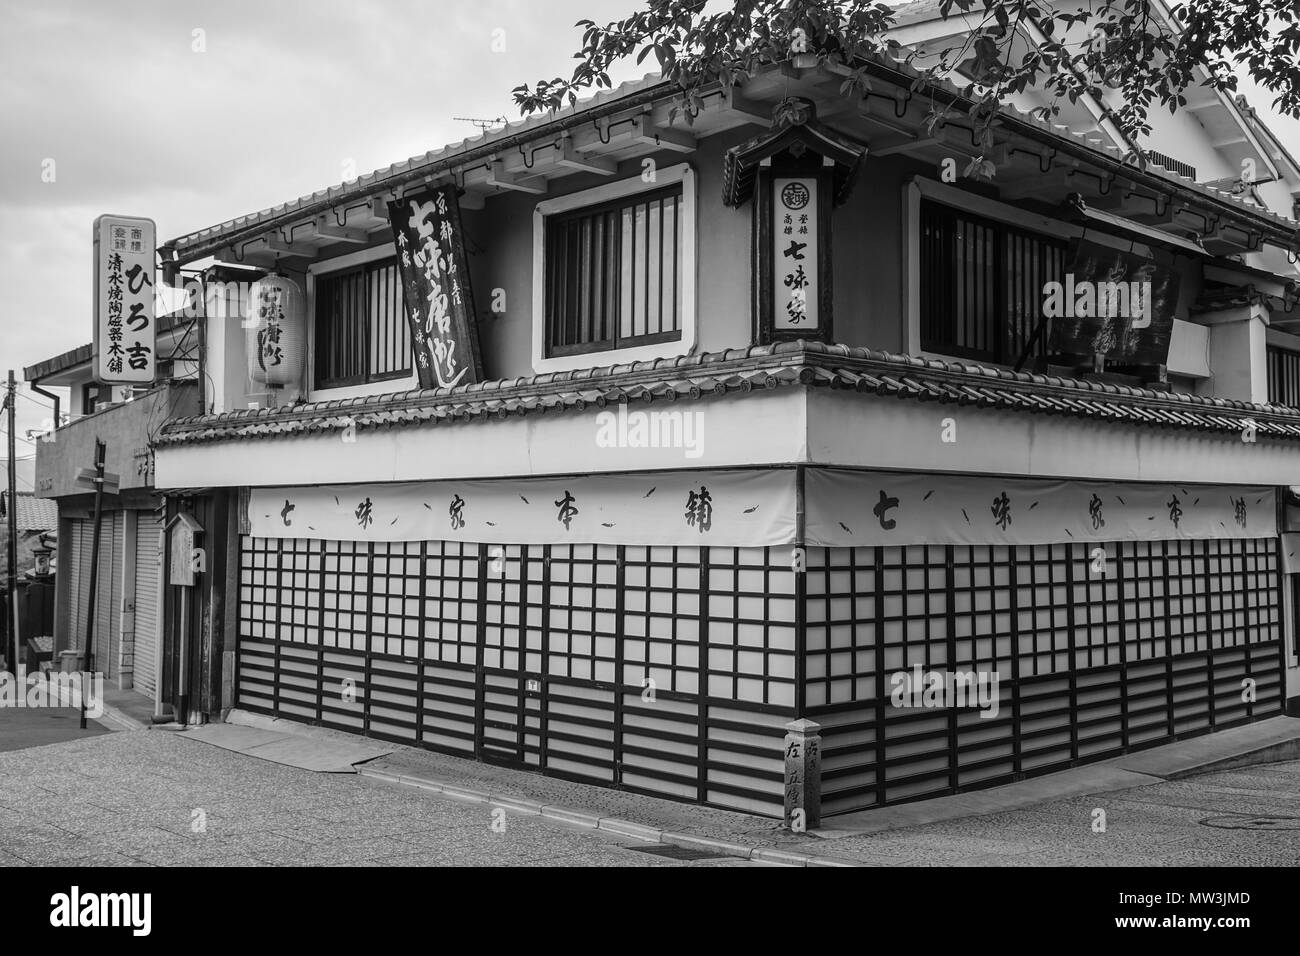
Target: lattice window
1145,616
751,625
1094,585
1184,578
841,626
583,624
451,602
395,614
345,594
259,566
661,619
501,606
982,609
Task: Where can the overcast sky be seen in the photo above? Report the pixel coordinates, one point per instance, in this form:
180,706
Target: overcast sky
141,115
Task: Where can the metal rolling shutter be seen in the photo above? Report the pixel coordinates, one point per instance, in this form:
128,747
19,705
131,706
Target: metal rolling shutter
108,620
75,562
109,586
148,573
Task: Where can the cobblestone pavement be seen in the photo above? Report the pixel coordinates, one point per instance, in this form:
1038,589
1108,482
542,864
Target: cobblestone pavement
154,798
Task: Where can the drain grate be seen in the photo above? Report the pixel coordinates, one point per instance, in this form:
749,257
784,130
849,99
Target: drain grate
1243,822
674,852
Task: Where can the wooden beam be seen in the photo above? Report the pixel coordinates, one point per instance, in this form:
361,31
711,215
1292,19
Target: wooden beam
644,131
759,114
470,199
259,257
572,159
1051,187
276,244
902,144
327,227
497,176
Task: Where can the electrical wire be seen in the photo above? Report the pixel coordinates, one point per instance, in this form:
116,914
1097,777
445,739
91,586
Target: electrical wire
34,401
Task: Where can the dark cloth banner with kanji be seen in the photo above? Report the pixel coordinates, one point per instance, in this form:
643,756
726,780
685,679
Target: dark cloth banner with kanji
436,288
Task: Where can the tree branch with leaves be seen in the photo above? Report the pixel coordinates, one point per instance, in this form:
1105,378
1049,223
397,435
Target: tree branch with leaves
1149,54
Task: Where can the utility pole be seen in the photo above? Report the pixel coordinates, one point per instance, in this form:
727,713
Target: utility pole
89,661
12,544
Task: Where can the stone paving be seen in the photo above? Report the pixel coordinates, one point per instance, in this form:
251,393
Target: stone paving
152,798
133,798
1161,824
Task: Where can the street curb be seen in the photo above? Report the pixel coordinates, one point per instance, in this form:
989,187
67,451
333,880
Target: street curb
1270,753
595,821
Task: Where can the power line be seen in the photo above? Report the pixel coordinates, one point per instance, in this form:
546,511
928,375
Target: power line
20,438
29,398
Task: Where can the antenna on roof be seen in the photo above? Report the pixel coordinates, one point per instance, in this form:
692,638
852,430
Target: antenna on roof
483,124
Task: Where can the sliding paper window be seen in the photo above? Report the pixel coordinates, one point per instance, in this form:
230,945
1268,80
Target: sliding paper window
982,285
613,274
361,331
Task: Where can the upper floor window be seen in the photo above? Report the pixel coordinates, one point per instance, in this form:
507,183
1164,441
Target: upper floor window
981,284
614,270
611,278
361,332
1283,377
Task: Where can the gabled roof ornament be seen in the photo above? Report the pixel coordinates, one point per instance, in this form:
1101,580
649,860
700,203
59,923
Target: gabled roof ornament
796,131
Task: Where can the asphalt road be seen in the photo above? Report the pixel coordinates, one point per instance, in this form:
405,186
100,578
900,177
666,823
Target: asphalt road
35,727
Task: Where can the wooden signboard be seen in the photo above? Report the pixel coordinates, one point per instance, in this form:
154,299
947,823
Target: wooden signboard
793,248
436,286
125,330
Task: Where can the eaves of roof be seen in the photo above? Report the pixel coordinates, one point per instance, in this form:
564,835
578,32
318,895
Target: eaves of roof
433,162
688,378
652,88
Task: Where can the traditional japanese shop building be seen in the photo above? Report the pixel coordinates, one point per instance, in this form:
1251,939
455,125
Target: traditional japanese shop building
608,447
128,601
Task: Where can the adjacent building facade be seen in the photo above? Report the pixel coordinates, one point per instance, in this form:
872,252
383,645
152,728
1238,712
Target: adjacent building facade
722,426
127,606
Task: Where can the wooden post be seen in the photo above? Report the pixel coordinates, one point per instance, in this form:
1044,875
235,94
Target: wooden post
12,542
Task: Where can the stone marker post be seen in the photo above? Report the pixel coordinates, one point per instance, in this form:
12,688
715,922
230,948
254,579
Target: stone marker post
803,775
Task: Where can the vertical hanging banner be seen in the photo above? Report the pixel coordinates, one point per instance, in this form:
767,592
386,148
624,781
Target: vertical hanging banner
125,333
436,287
1114,303
796,266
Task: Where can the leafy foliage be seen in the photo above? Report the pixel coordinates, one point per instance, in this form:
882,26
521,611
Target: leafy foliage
1150,54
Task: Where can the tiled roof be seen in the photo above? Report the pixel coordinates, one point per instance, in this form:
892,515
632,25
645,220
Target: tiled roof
539,125
35,514
373,181
743,370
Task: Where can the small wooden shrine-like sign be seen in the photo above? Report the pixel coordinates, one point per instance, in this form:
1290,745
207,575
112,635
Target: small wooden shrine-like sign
436,287
796,173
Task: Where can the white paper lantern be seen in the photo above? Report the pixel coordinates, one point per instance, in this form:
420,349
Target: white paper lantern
276,331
